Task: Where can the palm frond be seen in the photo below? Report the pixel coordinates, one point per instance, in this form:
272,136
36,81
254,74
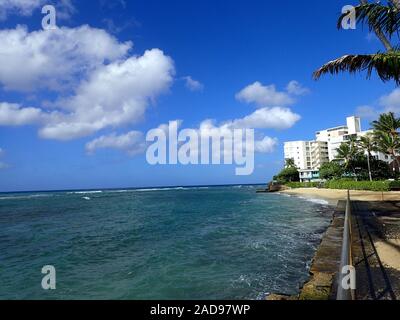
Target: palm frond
386,65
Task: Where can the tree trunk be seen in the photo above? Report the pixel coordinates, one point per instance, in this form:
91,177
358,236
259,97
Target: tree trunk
381,36
396,161
369,167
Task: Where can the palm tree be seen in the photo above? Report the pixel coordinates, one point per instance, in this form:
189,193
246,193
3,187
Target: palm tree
345,152
368,144
387,123
290,163
388,144
385,22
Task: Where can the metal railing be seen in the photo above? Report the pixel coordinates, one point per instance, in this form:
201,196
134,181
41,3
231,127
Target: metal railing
346,256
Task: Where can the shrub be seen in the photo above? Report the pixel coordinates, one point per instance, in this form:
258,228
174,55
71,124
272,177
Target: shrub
331,170
288,175
361,185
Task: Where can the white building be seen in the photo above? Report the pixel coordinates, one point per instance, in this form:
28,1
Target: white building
336,136
307,155
310,155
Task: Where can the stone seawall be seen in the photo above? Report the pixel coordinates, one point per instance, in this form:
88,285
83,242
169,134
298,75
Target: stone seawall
325,265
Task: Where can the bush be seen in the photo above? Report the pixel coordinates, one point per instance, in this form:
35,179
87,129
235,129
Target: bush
362,185
288,175
331,170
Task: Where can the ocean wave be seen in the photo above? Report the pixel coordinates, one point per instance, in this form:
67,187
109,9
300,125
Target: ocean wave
160,189
314,200
85,192
33,196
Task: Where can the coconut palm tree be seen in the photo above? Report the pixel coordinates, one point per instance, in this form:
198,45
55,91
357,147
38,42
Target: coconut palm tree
368,144
388,144
290,163
345,152
384,20
387,123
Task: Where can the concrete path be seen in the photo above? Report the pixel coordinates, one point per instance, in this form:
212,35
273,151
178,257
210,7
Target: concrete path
376,249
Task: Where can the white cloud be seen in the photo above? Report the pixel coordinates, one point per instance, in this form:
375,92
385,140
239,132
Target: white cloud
391,102
22,7
192,84
264,96
64,8
132,142
15,115
295,88
267,145
366,112
53,60
386,103
268,96
114,95
105,87
267,118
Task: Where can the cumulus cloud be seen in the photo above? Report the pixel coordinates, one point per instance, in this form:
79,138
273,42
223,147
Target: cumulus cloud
114,95
107,88
192,84
53,60
22,7
366,112
386,103
295,88
266,145
391,102
132,142
267,118
268,96
15,115
264,95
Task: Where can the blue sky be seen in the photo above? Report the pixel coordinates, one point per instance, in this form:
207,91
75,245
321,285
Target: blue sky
47,121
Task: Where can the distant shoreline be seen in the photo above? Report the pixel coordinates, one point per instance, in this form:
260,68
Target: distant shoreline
333,196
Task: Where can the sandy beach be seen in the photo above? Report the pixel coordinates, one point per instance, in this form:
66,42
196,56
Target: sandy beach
333,196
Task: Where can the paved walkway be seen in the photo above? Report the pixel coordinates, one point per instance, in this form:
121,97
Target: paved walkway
376,249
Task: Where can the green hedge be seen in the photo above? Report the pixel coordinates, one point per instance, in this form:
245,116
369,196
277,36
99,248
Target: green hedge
363,185
347,184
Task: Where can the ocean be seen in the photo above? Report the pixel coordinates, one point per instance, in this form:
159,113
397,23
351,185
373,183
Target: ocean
162,243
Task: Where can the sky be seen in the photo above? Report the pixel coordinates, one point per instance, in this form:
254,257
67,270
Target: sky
76,102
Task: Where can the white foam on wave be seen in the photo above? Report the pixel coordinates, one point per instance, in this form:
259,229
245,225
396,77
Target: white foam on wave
32,196
284,194
159,189
314,200
86,198
86,192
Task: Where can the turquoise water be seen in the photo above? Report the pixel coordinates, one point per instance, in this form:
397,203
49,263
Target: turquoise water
182,243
